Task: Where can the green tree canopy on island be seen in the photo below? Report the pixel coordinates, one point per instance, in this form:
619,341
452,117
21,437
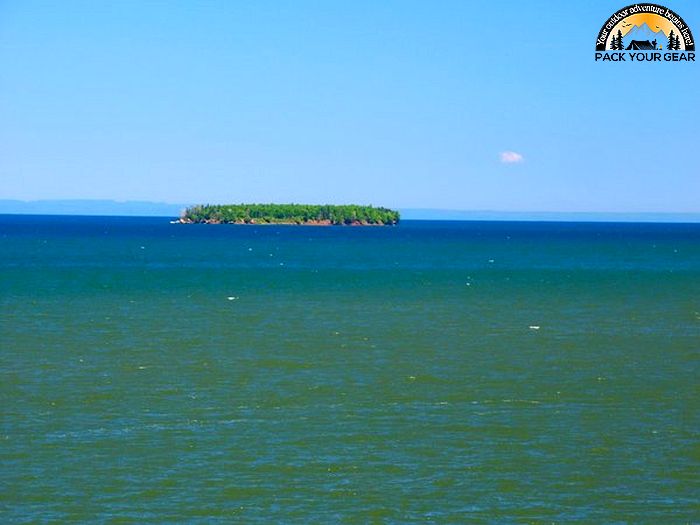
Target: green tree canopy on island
290,214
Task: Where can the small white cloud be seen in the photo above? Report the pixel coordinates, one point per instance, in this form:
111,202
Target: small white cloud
511,157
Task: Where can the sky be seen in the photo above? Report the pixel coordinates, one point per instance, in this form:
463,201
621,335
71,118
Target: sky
458,105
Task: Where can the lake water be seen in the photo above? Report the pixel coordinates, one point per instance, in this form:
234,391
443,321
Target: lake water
446,372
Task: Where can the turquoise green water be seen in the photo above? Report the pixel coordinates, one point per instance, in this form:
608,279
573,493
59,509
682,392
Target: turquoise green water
158,373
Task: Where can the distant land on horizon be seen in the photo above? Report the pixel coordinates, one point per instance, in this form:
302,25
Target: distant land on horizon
162,209
91,207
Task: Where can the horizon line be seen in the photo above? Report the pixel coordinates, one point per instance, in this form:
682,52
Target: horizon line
411,209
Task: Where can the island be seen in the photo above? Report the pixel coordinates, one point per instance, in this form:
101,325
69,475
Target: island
301,214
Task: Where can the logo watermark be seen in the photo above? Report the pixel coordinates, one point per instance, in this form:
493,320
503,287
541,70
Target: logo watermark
645,33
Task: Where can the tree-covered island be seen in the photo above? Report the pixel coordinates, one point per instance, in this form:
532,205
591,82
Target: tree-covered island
310,214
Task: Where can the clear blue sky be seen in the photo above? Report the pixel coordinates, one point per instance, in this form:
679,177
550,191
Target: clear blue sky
403,104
